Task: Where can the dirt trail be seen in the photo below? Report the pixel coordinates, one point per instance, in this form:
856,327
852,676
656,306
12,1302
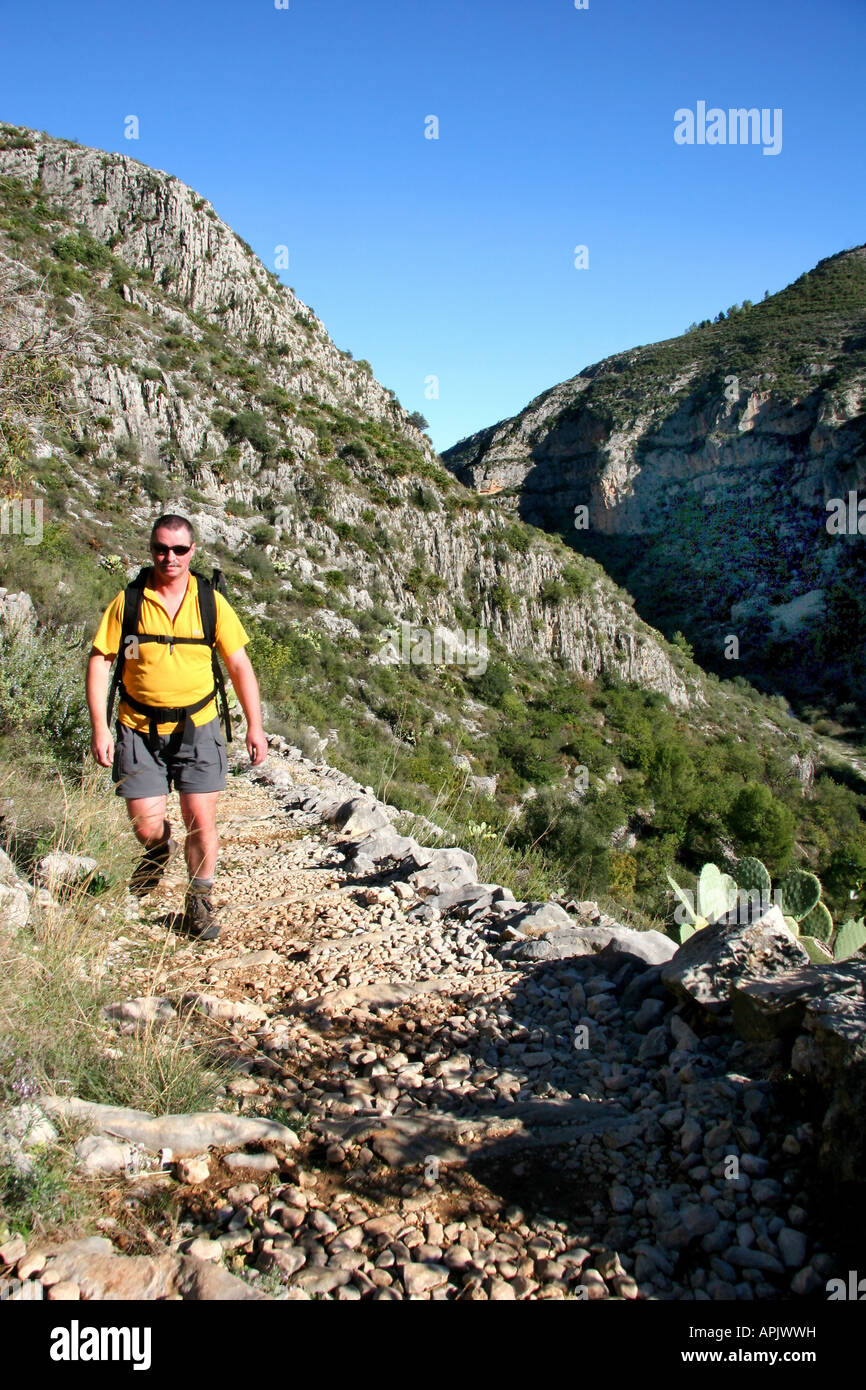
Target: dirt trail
471,1125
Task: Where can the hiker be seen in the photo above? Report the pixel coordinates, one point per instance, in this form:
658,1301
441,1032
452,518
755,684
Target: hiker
168,725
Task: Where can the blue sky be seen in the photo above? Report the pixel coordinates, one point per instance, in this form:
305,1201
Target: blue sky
454,257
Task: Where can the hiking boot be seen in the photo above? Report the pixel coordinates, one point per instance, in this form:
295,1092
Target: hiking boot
151,867
199,919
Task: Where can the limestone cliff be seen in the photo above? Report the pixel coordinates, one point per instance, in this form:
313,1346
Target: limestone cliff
707,466
195,379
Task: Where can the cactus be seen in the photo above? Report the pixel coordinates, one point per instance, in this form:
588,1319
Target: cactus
693,918
752,875
815,950
817,923
717,893
850,938
800,892
798,895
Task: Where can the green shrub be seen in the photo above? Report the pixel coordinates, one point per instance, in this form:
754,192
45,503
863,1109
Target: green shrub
155,485
492,684
762,826
552,591
42,693
262,534
249,425
257,562
502,597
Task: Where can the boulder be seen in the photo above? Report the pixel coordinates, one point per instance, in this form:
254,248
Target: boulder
103,1275
830,1053
318,800
558,945
706,967
17,611
98,1154
536,919
8,872
382,845
139,1014
61,867
23,1129
358,816
228,1010
774,1008
445,869
14,906
469,900
183,1134
652,946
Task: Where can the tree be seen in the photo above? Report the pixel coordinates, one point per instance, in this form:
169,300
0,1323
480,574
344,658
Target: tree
761,825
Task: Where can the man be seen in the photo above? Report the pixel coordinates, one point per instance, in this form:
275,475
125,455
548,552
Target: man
187,749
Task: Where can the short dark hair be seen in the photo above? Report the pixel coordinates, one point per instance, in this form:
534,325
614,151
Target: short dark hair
172,521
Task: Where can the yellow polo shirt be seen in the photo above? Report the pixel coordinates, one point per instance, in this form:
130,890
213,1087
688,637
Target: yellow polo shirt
163,675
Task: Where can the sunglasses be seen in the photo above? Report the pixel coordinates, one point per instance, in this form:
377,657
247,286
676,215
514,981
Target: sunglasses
163,550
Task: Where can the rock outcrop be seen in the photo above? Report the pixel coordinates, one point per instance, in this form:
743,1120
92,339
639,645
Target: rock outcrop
191,369
677,462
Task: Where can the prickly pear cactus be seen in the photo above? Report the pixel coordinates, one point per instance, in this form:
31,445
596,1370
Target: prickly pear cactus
815,950
687,905
751,874
793,926
800,892
850,939
717,893
817,923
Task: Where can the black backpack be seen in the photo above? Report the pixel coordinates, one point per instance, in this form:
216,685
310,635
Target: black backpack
131,614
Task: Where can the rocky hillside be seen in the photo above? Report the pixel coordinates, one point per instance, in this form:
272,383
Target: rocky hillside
705,465
443,649
194,377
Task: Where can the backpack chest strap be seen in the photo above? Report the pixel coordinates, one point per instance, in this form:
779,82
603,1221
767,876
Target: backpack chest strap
162,714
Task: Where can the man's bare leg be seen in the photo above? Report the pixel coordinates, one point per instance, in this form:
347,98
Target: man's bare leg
202,841
202,846
147,814
152,830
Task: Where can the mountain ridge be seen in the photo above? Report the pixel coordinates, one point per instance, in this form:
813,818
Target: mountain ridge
586,732
698,446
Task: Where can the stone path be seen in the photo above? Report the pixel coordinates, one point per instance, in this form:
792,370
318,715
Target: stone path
470,1125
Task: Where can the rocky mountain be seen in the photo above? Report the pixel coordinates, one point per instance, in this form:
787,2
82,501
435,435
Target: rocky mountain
412,1066
716,475
194,376
457,658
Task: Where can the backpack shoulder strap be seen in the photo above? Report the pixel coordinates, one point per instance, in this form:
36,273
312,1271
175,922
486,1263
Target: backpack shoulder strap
131,614
132,604
207,607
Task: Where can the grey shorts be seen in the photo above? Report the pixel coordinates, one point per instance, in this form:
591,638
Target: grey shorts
198,767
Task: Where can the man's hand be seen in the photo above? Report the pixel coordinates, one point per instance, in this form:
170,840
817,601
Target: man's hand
257,746
102,747
247,690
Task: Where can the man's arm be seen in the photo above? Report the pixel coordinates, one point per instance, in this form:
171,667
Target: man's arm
101,743
243,678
